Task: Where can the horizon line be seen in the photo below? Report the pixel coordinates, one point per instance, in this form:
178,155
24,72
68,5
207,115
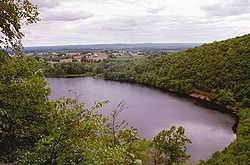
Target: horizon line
132,43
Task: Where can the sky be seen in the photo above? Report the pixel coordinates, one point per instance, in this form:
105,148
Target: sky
79,22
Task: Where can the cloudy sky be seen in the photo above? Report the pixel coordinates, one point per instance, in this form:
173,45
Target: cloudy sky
69,22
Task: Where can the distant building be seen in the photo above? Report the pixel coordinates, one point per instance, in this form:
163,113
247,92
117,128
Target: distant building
78,58
67,60
201,95
71,54
99,56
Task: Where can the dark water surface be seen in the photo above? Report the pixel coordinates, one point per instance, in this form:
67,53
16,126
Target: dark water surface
151,110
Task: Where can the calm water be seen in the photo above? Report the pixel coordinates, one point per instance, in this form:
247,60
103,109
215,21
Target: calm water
151,110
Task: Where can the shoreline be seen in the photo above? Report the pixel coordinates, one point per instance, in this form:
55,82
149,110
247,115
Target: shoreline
203,102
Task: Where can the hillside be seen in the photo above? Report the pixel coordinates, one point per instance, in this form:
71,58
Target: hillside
221,70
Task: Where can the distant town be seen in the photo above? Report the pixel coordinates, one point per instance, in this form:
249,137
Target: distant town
98,53
85,56
76,57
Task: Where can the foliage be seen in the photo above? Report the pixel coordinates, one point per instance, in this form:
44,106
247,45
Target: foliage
35,130
23,102
170,146
220,69
76,135
13,13
237,152
64,69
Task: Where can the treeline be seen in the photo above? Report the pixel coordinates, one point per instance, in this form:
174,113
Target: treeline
219,71
70,69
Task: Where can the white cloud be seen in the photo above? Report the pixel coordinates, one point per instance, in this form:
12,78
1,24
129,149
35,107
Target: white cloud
156,9
65,15
228,8
123,21
45,3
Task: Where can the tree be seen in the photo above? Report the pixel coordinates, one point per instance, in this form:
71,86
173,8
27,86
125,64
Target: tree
170,146
71,128
223,96
13,14
77,135
115,124
23,104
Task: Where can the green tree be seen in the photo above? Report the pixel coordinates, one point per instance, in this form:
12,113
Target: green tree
13,14
223,96
23,102
170,146
77,135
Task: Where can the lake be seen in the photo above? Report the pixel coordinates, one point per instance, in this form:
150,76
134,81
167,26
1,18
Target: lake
152,110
